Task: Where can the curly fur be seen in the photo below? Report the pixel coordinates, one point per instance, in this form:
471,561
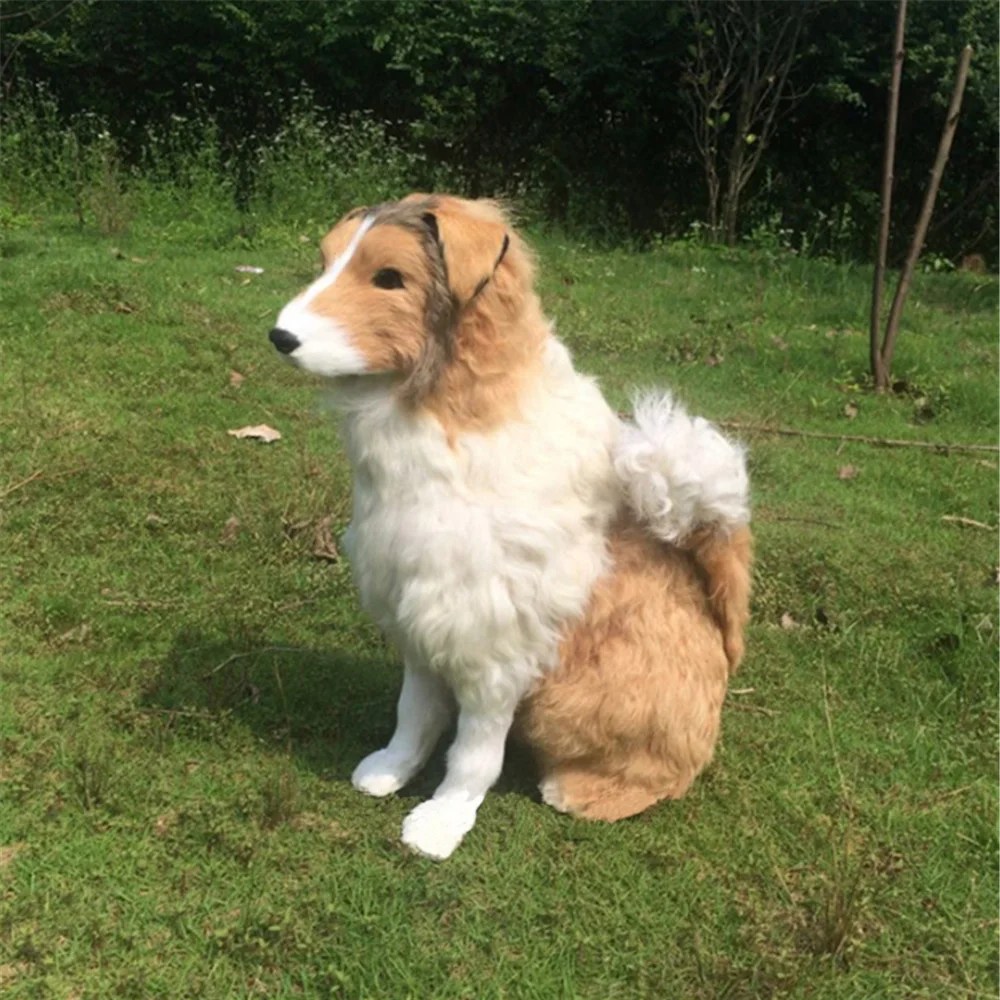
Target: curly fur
679,472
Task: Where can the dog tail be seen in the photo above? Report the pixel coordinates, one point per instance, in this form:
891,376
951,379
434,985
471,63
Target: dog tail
688,484
725,562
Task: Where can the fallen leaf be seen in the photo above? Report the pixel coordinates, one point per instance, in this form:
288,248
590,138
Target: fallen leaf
9,852
847,472
261,432
303,239
292,528
10,971
124,307
714,359
155,521
230,530
164,822
79,633
850,411
139,260
780,343
191,766
323,545
788,622
235,379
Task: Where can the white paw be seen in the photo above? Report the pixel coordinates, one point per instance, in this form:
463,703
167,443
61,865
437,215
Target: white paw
380,773
552,794
436,827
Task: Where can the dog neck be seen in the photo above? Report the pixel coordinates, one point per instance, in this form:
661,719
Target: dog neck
496,360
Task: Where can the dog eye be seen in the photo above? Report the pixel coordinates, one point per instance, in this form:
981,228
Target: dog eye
388,278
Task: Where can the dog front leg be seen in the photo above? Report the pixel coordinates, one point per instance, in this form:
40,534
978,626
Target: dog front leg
436,827
422,714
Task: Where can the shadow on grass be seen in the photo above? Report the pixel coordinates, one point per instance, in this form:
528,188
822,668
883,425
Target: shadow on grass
325,708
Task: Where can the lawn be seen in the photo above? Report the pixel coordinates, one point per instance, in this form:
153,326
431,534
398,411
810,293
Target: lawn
186,685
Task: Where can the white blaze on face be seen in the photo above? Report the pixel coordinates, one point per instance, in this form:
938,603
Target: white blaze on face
324,345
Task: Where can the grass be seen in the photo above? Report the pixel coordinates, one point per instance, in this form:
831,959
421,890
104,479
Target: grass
185,694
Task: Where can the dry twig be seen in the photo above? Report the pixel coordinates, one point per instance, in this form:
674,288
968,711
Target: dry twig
967,522
24,482
878,442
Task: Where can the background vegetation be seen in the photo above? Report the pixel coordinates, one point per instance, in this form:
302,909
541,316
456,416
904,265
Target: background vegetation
578,110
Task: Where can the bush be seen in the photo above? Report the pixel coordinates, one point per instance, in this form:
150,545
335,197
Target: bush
184,183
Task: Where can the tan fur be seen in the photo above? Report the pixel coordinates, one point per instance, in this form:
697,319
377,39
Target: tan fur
500,332
631,715
497,330
387,326
725,561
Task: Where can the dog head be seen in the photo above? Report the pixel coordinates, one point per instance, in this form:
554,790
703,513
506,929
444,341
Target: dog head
408,289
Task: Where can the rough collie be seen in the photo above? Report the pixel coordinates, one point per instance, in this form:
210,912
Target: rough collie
533,558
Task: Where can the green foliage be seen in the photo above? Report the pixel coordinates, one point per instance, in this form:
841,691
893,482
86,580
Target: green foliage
315,165
185,187
572,109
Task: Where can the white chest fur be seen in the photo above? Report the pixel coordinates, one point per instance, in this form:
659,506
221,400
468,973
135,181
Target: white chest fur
473,557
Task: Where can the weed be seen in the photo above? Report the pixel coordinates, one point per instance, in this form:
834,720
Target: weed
92,771
280,797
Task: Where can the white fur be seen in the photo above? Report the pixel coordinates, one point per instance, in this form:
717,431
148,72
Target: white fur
325,347
423,712
473,557
679,472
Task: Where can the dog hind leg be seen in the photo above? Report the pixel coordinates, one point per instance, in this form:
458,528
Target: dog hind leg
588,793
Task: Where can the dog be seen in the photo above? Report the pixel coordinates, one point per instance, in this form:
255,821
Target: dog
534,558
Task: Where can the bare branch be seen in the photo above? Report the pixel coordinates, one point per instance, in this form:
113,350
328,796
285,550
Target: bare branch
879,371
920,234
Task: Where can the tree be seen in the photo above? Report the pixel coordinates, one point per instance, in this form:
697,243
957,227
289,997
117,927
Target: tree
736,86
875,326
884,361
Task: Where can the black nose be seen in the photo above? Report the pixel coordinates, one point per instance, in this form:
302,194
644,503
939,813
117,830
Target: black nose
285,342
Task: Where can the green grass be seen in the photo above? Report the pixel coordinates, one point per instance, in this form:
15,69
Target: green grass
182,703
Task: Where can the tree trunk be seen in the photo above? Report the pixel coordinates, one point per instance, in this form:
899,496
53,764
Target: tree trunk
879,370
920,233
731,215
713,201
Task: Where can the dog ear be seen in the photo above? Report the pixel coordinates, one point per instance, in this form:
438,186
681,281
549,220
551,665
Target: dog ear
473,245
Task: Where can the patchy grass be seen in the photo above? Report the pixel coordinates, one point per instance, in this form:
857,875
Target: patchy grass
186,687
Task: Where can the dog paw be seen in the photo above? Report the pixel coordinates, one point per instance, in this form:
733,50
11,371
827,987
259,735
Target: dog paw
436,827
380,773
552,794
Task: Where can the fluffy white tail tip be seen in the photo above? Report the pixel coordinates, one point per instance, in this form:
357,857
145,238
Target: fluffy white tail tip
679,473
